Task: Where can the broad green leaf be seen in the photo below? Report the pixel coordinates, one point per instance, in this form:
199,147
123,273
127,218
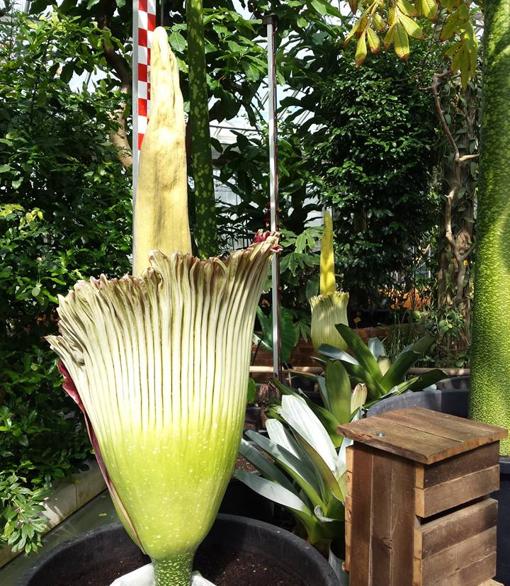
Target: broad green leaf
251,394
425,380
303,421
406,7
369,373
299,468
273,491
413,29
289,333
336,354
288,453
282,496
361,49
280,436
401,41
265,466
374,42
389,37
339,391
314,439
427,8
177,41
405,360
363,355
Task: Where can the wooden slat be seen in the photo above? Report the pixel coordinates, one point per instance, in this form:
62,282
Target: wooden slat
447,495
382,518
403,523
384,434
446,565
446,425
472,574
348,509
472,461
361,504
421,435
446,531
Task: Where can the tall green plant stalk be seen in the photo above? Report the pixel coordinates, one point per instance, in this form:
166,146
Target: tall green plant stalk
201,157
490,395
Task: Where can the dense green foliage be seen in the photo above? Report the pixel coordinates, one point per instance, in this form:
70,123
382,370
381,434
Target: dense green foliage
363,141
65,208
371,150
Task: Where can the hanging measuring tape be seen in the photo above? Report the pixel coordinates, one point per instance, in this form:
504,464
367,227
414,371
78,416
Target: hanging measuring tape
144,23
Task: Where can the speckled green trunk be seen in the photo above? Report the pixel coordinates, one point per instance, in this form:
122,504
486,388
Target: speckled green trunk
201,158
173,572
490,396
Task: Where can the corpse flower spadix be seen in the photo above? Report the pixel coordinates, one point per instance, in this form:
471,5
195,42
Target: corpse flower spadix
330,307
160,364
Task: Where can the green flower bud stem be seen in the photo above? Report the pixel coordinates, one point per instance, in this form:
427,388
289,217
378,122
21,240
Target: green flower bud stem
200,147
174,571
490,352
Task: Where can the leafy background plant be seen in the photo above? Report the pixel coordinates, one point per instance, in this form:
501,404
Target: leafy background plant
65,206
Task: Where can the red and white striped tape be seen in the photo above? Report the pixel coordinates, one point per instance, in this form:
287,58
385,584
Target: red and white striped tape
145,25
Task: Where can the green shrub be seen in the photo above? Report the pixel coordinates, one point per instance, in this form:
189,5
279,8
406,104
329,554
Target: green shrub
65,214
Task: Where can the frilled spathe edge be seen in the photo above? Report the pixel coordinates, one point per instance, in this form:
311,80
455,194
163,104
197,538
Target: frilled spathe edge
235,280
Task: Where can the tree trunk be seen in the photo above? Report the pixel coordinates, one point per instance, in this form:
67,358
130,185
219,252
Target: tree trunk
490,394
201,158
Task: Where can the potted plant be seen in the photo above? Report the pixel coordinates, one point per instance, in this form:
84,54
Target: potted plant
302,464
158,361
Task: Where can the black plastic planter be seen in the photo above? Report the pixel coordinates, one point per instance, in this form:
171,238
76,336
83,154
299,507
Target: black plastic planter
452,396
251,552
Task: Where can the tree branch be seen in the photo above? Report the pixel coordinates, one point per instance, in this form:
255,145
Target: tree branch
436,82
122,70
465,158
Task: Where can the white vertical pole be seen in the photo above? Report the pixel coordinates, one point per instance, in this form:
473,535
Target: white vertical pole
270,22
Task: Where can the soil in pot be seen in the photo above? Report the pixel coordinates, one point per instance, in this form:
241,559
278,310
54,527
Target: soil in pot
218,566
237,551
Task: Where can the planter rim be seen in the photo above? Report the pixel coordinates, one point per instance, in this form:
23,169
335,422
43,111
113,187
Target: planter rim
229,521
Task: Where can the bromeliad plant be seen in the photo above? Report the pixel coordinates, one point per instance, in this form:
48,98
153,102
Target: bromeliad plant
370,365
301,468
302,465
159,362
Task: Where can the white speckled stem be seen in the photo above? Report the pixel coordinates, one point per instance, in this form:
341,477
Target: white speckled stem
175,571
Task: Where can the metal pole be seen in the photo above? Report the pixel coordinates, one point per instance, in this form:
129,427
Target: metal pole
271,22
162,13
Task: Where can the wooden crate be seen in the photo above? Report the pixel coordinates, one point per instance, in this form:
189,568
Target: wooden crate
418,511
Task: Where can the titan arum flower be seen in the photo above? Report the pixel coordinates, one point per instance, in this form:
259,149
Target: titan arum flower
330,307
159,362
